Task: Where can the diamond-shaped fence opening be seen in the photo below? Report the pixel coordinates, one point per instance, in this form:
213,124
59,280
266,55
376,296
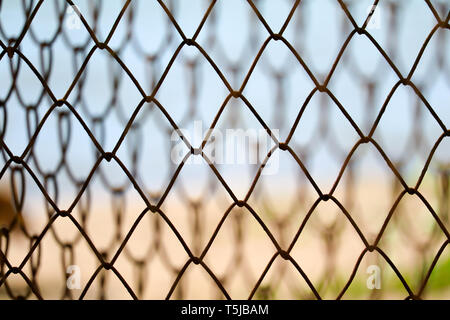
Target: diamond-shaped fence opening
224,149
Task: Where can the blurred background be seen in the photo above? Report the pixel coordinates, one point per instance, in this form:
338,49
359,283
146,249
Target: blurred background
196,215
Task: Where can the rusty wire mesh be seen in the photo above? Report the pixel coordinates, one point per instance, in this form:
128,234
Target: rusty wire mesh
73,107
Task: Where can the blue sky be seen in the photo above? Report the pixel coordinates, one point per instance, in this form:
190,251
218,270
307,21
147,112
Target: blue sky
319,43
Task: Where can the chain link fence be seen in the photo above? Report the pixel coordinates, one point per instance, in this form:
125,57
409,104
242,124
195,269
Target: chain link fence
96,94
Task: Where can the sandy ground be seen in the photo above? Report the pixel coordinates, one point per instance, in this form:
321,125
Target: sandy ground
256,249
